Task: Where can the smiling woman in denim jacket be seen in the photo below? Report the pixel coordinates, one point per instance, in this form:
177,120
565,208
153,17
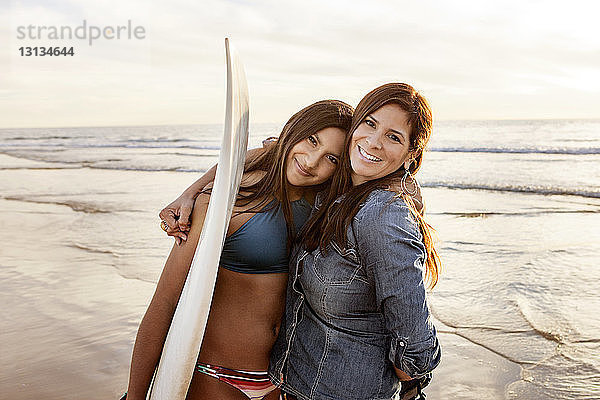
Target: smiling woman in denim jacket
356,320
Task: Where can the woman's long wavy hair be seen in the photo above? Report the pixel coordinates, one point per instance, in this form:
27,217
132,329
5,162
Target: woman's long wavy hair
331,221
274,185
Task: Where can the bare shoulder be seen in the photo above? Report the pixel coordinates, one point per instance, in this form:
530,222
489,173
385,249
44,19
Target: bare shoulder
200,207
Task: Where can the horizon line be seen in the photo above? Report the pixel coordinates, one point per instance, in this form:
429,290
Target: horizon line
278,123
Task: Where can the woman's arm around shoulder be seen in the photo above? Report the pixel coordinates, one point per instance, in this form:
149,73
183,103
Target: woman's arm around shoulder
177,214
391,248
155,324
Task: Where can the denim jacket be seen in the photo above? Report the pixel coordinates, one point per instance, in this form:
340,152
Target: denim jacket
353,313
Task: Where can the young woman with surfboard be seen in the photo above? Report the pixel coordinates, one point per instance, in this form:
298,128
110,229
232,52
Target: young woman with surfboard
274,201
357,321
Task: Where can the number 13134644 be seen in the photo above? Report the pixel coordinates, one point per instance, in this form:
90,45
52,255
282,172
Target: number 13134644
46,51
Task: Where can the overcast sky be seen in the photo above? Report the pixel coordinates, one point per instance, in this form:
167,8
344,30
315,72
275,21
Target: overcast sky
472,59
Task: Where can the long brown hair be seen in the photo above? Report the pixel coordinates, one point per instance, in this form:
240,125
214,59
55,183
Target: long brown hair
331,221
311,119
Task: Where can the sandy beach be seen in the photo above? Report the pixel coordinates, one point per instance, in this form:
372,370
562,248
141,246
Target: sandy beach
71,305
516,306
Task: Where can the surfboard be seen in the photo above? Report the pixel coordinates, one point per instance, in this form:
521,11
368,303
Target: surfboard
182,345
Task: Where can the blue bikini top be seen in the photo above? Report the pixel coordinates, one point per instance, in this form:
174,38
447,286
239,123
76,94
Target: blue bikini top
259,246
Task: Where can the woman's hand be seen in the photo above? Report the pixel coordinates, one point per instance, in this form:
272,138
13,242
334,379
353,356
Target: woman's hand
412,389
177,217
177,214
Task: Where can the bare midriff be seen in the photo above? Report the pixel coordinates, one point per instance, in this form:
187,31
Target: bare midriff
244,320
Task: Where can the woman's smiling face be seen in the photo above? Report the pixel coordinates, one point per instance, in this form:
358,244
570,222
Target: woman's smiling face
380,144
313,160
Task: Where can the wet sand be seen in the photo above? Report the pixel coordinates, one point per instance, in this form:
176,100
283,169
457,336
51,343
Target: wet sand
470,371
78,266
64,341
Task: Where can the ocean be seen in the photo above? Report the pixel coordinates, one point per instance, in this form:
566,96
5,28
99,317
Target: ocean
516,207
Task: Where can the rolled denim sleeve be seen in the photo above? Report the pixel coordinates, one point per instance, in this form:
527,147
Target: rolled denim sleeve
390,247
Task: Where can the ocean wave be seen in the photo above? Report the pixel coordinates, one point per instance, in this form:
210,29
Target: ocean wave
146,169
516,189
187,144
513,214
521,150
109,146
549,332
98,164
37,168
47,137
159,140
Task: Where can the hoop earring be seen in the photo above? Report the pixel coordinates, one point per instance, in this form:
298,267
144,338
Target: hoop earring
404,186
